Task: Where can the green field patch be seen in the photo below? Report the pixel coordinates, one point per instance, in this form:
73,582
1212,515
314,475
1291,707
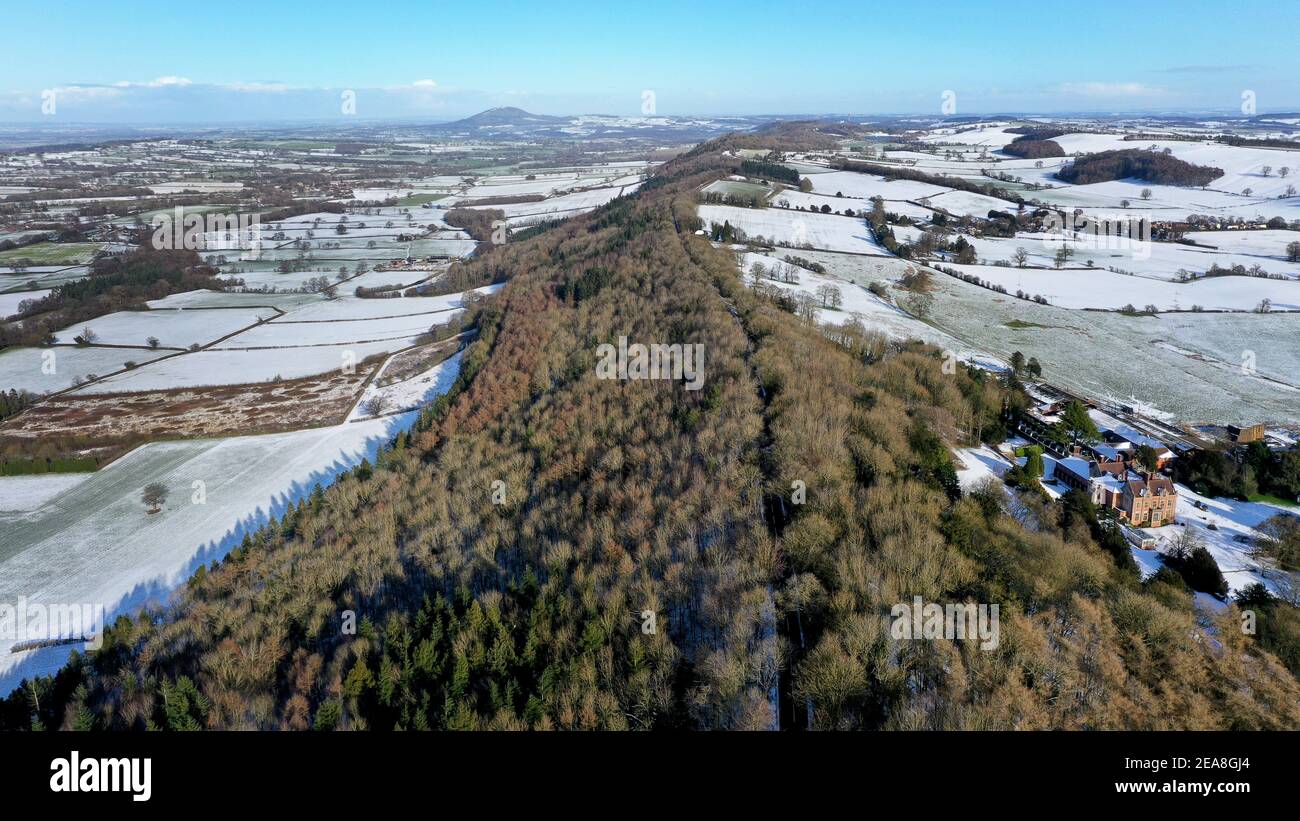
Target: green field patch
53,253
1269,498
420,199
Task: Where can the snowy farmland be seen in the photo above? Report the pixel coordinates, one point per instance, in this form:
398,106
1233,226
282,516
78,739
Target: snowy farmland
1161,260
211,367
317,337
565,205
1105,290
9,302
93,542
866,186
46,370
796,229
1186,364
877,314
173,328
294,334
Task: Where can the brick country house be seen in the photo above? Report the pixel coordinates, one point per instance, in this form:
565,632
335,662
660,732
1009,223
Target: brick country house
1142,499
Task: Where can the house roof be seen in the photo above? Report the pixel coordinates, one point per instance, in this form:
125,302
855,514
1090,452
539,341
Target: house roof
1155,485
1138,438
1076,465
1110,452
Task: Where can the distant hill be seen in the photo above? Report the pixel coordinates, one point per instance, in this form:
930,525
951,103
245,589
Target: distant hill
506,116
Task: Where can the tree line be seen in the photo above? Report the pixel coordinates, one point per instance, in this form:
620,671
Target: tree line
1152,166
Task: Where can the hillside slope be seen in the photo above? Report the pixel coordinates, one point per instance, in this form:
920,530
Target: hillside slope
524,604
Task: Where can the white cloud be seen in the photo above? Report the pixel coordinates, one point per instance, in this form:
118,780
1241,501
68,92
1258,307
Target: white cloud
255,88
160,82
86,92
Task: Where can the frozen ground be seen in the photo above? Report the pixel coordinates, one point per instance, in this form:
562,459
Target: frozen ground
409,393
45,370
9,302
94,543
876,314
796,228
238,367
1105,290
173,328
1232,519
1190,365
22,493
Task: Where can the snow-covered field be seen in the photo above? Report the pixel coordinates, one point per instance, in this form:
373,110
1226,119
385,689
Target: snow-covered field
876,314
94,543
173,328
222,299
410,393
1101,289
961,203
993,135
383,279
22,493
1268,243
525,213
796,228
1187,364
546,184
290,333
44,370
204,186
9,302
237,367
866,186
1162,260
348,307
978,465
45,276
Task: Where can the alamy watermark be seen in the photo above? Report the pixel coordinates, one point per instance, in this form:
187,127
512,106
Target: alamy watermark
683,362
31,625
1080,232
207,232
967,622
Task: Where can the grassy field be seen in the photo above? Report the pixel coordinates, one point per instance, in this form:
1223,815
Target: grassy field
53,253
420,199
1268,498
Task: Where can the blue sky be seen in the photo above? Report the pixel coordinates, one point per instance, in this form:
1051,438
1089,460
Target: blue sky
230,61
